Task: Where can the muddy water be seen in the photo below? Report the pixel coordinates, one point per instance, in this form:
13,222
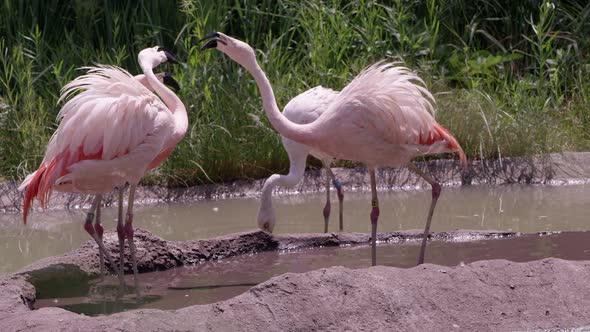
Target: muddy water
216,281
513,208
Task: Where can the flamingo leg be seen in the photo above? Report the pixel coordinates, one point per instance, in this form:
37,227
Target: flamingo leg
128,230
436,189
327,207
90,229
99,232
374,216
340,192
121,236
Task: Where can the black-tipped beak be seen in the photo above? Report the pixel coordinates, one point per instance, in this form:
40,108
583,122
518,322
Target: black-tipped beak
210,44
209,36
171,82
266,228
213,42
169,55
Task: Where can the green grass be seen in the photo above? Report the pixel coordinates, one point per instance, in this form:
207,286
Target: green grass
509,76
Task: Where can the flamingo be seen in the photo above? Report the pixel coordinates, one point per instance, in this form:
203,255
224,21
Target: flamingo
384,117
304,108
168,80
110,133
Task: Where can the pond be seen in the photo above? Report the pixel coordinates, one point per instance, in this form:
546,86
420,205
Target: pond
215,281
518,208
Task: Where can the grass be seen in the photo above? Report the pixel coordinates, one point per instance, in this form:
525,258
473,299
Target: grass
509,77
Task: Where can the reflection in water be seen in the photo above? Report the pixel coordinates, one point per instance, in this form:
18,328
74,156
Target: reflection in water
215,281
212,286
511,207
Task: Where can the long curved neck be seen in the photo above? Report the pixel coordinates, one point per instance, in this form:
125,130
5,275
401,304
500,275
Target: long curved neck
266,195
172,101
141,78
291,130
297,158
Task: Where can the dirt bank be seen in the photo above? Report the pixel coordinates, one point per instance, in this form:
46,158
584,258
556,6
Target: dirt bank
485,295
556,169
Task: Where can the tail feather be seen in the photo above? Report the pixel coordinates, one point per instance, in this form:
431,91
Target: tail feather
453,144
32,189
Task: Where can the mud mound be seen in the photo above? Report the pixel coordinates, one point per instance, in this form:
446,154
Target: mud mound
485,295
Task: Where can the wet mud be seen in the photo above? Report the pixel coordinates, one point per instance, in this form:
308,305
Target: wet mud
483,295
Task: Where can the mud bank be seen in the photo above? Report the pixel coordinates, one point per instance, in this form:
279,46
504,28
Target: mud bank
554,169
485,295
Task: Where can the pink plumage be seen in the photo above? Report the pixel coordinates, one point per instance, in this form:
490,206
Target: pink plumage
384,117
387,120
111,132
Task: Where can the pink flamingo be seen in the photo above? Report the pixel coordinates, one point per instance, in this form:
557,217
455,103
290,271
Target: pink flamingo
384,117
111,133
304,108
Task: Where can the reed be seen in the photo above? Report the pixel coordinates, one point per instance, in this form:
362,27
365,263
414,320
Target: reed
509,76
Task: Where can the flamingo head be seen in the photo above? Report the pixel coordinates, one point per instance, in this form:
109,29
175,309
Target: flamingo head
152,57
237,50
168,80
266,218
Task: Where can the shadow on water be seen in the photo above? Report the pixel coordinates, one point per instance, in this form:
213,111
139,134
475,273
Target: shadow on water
106,307
215,281
212,286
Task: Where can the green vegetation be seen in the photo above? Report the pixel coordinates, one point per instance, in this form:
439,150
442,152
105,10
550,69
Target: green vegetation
510,77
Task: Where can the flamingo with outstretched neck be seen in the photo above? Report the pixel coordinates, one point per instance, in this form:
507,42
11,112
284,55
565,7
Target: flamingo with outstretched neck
110,133
304,108
384,117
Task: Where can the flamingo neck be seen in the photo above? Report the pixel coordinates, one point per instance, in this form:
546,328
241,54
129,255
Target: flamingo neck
291,130
266,196
173,103
297,160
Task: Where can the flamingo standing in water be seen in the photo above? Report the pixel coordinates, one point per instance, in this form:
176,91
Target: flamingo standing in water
168,80
109,135
384,117
304,108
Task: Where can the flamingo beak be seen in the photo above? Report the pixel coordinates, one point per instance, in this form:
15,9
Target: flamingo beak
169,55
171,82
213,42
266,228
209,36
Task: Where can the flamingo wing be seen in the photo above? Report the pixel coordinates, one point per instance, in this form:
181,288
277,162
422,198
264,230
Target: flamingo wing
309,105
389,103
109,131
306,108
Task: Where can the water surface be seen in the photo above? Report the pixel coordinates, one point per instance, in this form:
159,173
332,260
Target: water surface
512,208
220,280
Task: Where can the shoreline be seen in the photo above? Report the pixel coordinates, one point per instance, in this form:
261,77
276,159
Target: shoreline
495,294
551,169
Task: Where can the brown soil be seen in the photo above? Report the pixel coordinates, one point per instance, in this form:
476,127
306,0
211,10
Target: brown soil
557,168
485,295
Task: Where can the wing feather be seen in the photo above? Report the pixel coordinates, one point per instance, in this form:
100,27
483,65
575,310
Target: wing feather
392,96
106,105
107,114
390,110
